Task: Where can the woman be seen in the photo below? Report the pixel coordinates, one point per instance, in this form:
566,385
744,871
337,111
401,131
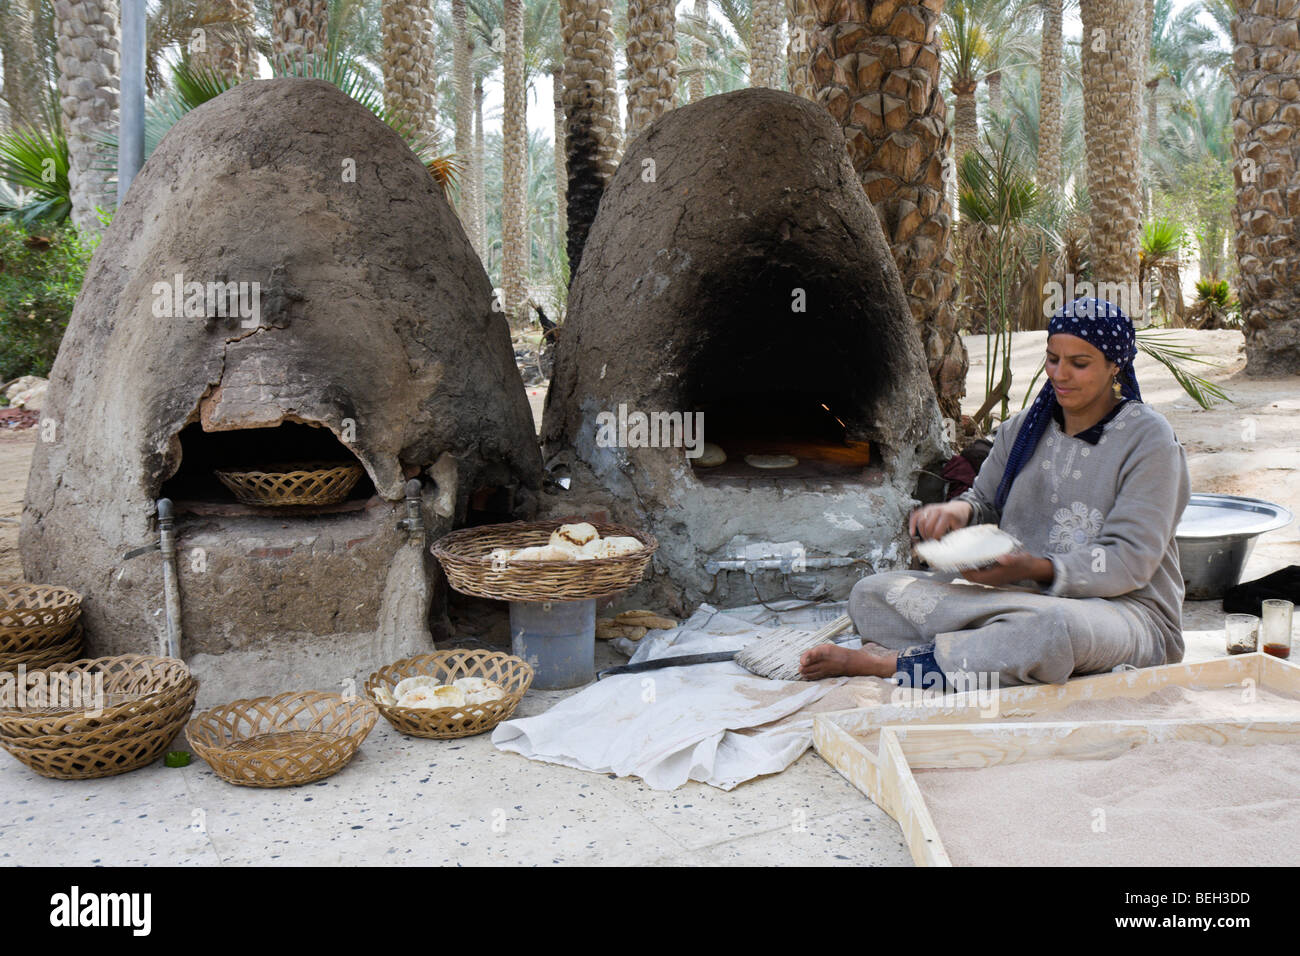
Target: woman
1092,482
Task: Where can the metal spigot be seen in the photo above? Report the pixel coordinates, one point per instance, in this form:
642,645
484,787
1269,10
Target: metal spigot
414,520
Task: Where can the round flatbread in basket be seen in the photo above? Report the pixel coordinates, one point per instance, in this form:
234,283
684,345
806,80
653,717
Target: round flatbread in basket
511,675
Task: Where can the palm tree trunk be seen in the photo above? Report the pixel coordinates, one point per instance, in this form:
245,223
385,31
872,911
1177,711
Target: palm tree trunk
514,132
1051,123
965,127
1153,115
87,59
590,115
765,43
464,84
1266,165
1148,120
1112,114
801,24
299,27
479,177
698,53
409,49
22,80
561,175
651,62
898,147
994,81
228,42
1144,48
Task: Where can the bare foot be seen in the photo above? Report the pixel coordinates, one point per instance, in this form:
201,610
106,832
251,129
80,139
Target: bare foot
831,660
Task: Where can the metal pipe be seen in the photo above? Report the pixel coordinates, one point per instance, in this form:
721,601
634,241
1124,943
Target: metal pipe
414,520
130,137
171,583
786,564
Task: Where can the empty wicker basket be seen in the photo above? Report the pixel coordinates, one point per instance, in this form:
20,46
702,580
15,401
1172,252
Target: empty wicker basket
61,650
36,616
512,674
293,483
464,556
293,738
131,684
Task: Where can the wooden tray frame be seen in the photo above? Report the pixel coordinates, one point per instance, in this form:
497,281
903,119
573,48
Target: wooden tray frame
915,736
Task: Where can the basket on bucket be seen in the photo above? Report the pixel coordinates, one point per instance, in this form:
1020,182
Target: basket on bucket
465,556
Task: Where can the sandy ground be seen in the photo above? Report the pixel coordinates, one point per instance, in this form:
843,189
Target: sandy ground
15,460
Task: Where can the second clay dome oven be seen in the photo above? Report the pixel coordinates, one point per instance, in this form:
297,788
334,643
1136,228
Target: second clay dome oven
737,275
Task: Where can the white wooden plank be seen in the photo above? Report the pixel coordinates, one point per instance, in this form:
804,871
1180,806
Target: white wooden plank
910,811
983,745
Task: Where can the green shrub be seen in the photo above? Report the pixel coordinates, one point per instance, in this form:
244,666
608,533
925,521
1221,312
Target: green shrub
40,274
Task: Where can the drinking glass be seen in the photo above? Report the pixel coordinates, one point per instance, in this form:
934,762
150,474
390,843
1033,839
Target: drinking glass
1275,627
1241,631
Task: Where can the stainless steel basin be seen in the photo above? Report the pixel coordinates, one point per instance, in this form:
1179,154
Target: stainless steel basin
1215,537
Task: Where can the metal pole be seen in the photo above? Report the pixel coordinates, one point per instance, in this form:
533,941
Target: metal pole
130,137
171,582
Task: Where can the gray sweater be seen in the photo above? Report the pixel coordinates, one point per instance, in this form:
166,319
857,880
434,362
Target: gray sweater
1104,514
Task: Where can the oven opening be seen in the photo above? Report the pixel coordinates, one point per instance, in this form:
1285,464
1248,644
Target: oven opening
196,487
785,374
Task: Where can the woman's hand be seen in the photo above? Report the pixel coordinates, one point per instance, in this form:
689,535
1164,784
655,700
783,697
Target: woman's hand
934,521
1010,568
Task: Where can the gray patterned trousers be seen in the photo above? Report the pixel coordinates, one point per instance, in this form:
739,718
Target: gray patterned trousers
1023,636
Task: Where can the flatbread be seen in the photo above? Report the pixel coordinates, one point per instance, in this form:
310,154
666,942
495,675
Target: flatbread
771,461
975,546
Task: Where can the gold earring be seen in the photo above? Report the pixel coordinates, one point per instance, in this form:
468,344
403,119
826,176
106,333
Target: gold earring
1115,387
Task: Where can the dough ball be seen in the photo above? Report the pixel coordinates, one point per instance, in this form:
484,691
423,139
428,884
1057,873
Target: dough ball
711,456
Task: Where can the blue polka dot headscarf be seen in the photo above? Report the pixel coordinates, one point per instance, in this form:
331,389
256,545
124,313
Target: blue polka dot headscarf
1103,326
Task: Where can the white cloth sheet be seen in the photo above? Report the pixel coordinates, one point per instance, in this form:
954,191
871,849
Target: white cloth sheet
715,723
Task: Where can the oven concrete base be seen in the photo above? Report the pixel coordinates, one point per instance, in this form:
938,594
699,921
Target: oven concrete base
864,522
338,663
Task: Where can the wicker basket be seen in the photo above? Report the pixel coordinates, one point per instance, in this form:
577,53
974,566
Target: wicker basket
282,741
66,649
464,557
513,674
293,483
34,616
100,759
133,684
122,729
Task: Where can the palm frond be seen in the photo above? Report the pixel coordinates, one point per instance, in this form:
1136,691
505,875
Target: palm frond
35,162
1172,354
